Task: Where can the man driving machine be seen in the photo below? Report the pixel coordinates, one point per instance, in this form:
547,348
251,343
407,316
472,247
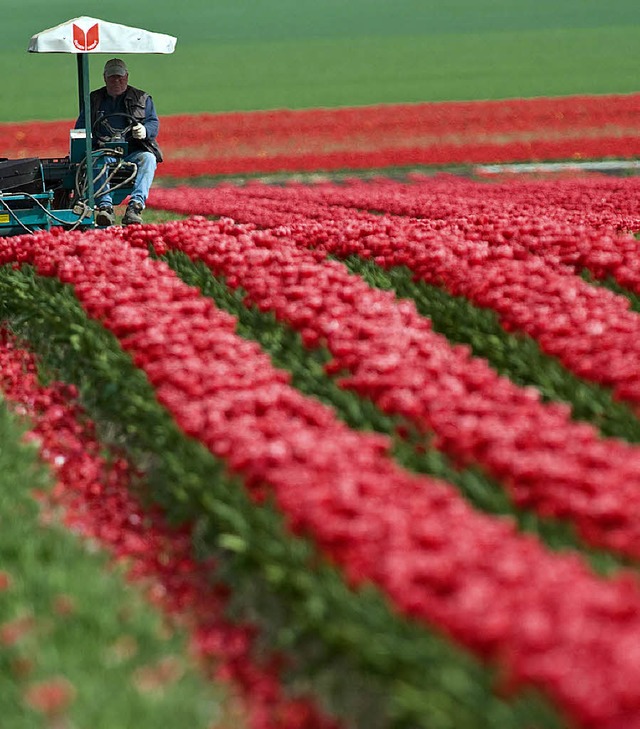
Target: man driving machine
123,109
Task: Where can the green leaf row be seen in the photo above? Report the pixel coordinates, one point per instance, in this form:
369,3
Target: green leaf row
611,284
516,356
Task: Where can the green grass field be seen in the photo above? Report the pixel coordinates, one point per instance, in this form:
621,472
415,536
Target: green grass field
253,54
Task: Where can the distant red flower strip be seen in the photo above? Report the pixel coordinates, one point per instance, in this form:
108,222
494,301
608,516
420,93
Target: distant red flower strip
97,503
374,136
186,166
501,594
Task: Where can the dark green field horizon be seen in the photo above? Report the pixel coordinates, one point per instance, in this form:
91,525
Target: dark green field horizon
239,55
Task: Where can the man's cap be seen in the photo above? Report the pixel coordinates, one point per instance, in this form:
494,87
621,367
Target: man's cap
115,67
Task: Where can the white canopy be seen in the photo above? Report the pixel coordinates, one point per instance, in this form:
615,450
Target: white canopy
91,35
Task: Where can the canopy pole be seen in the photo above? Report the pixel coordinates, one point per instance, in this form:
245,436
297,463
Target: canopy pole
85,105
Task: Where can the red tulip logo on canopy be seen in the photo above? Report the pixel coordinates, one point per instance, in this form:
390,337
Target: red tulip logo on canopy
86,41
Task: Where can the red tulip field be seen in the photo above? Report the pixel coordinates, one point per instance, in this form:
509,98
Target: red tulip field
369,448
445,133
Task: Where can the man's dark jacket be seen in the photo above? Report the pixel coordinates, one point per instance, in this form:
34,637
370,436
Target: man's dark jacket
135,104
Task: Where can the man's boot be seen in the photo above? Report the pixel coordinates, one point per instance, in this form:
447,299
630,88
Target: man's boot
105,216
133,213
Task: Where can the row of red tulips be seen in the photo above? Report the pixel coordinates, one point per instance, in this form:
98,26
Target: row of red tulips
374,136
386,352
589,329
464,119
523,206
575,222
544,617
196,162
98,502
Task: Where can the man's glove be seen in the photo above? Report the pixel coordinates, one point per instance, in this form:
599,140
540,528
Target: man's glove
139,131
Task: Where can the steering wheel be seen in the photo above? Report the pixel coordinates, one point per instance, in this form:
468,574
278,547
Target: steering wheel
103,131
